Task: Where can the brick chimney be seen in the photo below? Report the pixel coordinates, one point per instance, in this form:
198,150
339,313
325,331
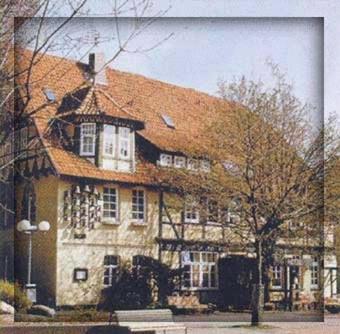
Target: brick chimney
97,68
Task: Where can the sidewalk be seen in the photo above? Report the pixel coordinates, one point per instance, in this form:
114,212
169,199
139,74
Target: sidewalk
195,324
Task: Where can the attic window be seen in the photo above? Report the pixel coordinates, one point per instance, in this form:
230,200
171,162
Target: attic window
168,121
49,95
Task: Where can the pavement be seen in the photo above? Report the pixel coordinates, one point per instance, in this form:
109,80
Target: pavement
219,323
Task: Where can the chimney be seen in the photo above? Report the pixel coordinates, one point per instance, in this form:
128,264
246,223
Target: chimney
97,68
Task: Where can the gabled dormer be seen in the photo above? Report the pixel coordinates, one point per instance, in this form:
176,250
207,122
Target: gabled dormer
98,128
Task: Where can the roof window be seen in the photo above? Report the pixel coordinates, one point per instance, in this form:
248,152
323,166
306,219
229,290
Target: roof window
168,121
49,95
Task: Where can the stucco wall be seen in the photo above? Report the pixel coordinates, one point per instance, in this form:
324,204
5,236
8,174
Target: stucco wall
124,239
43,243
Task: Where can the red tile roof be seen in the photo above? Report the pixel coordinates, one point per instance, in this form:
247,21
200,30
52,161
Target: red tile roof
127,96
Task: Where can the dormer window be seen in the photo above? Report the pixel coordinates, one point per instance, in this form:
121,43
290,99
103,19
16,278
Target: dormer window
165,160
179,162
87,139
124,143
193,164
109,140
117,148
205,165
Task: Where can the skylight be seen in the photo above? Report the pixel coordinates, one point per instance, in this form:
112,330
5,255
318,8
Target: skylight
168,121
49,95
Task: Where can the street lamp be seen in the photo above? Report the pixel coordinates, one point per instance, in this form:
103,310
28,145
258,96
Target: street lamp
26,227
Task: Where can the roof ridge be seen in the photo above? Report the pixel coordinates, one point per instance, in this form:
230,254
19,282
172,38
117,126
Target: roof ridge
169,84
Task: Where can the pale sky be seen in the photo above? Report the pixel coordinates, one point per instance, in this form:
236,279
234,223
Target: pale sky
223,39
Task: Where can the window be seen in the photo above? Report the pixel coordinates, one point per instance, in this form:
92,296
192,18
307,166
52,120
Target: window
124,143
179,162
191,213
138,205
205,166
314,272
110,269
168,121
109,140
193,164
49,95
166,160
277,277
80,274
212,211
200,270
110,203
87,138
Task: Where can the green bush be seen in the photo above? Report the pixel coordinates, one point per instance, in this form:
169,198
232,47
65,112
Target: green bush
13,294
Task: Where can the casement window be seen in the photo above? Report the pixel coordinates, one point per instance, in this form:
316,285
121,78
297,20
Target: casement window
199,270
277,277
110,269
124,142
205,166
314,273
193,164
213,211
138,205
191,212
109,140
165,160
179,162
110,204
87,138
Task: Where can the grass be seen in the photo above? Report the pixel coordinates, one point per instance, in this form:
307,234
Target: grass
77,315
249,326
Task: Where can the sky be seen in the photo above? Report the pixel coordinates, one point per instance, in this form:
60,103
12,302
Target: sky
224,39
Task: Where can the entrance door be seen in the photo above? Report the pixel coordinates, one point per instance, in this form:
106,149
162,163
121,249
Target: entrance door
294,276
235,281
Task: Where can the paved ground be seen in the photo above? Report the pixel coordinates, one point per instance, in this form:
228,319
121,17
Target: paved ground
223,323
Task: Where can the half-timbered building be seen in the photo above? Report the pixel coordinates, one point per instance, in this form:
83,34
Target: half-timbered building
89,160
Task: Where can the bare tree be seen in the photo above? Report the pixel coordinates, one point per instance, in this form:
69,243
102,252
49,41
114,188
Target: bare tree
29,31
267,168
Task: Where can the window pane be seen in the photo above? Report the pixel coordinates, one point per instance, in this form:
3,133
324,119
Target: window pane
110,203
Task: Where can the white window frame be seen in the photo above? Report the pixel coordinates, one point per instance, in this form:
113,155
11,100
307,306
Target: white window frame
201,265
137,211
111,269
122,140
277,274
193,164
109,140
165,160
109,219
210,213
191,213
91,135
314,274
179,162
205,166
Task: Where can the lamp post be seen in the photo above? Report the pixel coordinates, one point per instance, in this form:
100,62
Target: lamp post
26,227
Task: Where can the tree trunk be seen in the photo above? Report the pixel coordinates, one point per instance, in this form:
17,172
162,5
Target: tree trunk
258,289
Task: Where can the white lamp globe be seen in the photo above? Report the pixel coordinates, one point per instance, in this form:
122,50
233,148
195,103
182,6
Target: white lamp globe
44,226
23,225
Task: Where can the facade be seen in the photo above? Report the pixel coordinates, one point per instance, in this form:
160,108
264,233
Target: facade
91,170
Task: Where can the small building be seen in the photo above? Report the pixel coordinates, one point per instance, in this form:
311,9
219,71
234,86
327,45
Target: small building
95,144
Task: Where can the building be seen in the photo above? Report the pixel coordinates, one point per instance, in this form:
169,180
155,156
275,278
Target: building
88,164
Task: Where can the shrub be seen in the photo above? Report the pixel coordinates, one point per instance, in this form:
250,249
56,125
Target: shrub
7,292
13,294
